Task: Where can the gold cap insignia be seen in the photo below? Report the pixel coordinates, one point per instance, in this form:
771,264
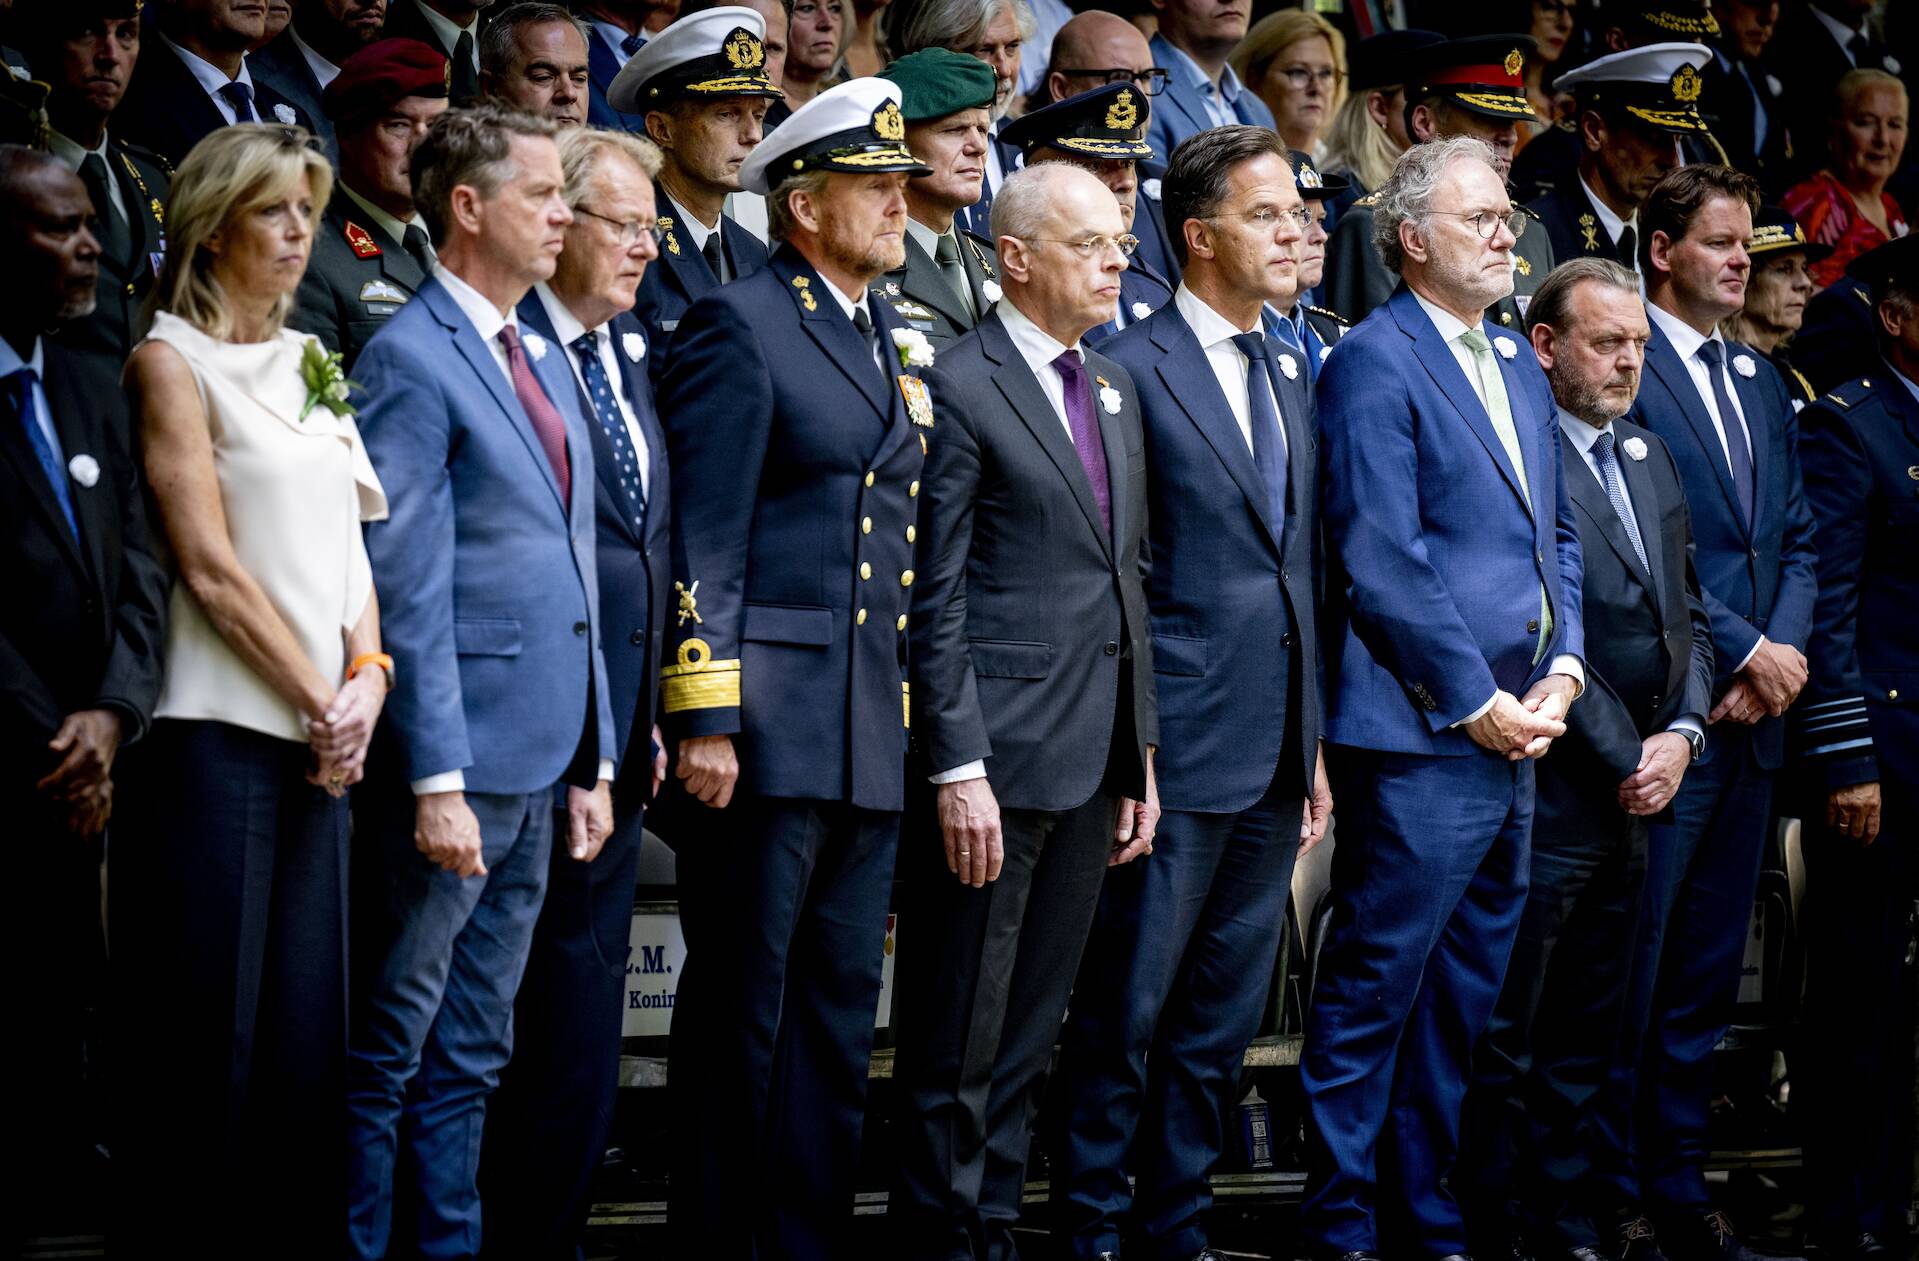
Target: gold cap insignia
743,52
1308,177
1123,115
1515,62
1686,85
1798,234
889,123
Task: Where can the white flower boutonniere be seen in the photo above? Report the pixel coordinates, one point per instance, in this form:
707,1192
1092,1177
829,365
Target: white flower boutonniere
1109,399
1141,310
535,346
1506,346
325,380
991,289
1744,366
84,469
634,345
1636,448
285,114
915,350
1773,86
1287,366
1150,188
1890,64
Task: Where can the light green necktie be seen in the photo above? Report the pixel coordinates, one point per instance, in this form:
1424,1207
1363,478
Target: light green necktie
1499,408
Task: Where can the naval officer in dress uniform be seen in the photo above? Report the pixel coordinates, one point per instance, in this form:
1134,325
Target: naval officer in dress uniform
1311,330
1463,87
701,86
796,425
372,252
948,280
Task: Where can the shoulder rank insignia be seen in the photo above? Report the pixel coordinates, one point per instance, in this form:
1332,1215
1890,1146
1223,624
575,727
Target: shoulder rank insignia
1589,226
807,299
1334,316
1522,264
665,223
361,241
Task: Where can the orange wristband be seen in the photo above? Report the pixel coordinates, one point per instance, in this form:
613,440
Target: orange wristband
380,659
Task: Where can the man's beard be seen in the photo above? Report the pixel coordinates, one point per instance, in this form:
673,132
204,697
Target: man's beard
79,306
1479,287
866,257
1589,402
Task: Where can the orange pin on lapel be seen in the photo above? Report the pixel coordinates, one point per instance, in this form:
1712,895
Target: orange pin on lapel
362,241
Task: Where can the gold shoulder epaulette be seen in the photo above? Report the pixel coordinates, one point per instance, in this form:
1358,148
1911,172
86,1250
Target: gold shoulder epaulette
1369,200
1335,316
1524,209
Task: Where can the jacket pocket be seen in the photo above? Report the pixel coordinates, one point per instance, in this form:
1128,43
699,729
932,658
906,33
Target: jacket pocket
1177,654
788,624
486,636
1010,659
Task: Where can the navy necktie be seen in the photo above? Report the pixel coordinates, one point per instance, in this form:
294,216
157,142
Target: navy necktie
632,43
1738,455
606,409
18,394
1262,409
240,97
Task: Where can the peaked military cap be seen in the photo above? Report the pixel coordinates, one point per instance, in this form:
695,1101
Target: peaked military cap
1312,185
712,53
1775,231
1653,20
1894,265
855,127
1481,74
1657,84
1107,122
935,82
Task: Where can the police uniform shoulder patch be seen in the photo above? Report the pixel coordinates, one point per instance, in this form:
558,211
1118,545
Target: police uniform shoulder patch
360,241
1334,316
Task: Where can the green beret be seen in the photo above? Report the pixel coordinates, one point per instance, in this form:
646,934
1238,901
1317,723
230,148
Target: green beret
935,82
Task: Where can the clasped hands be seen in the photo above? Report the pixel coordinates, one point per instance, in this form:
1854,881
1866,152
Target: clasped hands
83,783
1766,686
340,736
1525,727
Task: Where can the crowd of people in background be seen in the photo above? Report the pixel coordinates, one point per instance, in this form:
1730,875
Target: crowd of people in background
1036,471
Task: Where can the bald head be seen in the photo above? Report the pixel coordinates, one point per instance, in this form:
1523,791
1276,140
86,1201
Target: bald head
47,252
1094,40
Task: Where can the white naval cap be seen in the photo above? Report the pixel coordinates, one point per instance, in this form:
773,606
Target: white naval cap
713,53
856,127
1657,83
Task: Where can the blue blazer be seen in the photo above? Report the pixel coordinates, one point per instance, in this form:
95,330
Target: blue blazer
1142,291
1180,111
1149,222
1758,579
601,67
679,277
632,555
489,600
1231,592
795,475
1434,561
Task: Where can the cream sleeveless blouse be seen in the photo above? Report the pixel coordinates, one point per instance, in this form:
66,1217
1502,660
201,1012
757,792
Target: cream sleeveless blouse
295,493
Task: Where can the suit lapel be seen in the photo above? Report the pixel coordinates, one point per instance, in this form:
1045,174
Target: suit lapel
826,323
1023,394
898,426
978,272
1648,509
534,319
1189,379
89,503
1662,361
639,393
1437,358
1591,498
486,370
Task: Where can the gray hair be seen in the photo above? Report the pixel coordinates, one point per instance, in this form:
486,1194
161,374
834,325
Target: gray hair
907,26
1552,303
582,149
779,213
500,37
1408,196
470,146
1025,199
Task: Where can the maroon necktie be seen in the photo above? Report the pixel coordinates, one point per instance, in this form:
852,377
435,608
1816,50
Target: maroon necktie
1086,439
545,418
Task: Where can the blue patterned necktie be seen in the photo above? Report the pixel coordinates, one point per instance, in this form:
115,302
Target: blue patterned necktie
240,97
18,394
606,409
632,44
1616,492
1738,455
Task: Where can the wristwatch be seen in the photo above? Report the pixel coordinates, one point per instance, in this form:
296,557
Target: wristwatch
1695,739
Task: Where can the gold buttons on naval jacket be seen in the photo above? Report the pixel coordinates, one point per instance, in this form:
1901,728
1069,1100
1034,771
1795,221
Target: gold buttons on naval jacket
901,624
859,618
866,570
914,489
906,579
911,534
869,477
866,525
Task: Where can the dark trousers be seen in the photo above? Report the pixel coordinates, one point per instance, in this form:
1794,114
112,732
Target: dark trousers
436,1027
984,983
1429,879
783,906
547,1125
1175,978
1853,1067
228,917
1526,1146
1701,876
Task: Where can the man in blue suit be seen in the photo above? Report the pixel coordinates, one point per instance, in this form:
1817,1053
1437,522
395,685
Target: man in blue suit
534,57
702,88
1183,948
1455,644
1195,38
547,1128
1727,418
796,427
488,591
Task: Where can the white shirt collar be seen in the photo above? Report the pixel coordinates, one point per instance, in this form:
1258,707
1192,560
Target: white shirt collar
448,33
1449,325
209,76
476,306
566,325
696,231
71,154
925,237
1685,339
1841,33
323,70
848,305
1613,224
1208,325
10,361
1035,345
1185,67
1582,434
384,221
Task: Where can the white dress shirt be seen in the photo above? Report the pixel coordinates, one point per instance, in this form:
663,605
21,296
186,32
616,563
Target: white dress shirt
1229,364
447,33
71,155
323,70
487,321
1613,224
211,79
569,330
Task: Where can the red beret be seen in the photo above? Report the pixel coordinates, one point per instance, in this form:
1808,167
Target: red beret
375,77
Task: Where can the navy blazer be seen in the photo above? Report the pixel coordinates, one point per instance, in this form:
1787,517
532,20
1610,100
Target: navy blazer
283,67
632,551
1180,111
1142,291
1758,579
166,109
1149,222
601,68
679,277
1857,718
795,467
1435,562
489,595
1231,592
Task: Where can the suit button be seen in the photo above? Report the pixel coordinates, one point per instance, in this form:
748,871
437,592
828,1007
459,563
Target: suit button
913,490
906,579
901,624
869,477
637,638
1655,700
1539,558
859,618
1286,640
1754,553
1892,693
866,570
1112,650
866,525
911,534
579,628
1285,575
1532,625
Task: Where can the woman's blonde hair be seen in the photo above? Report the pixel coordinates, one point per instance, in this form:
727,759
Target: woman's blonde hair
1856,83
232,172
1357,145
1274,33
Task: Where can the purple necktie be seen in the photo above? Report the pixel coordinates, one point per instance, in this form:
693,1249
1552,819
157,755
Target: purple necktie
1086,439
545,418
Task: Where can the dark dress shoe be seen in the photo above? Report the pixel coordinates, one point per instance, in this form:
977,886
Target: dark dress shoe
1636,1241
1709,1237
1585,1254
1457,1256
1864,1246
1209,1254
1868,1248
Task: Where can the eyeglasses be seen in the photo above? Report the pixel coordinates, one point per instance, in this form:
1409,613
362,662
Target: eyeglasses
1300,76
1266,217
1087,247
631,230
1487,222
1151,81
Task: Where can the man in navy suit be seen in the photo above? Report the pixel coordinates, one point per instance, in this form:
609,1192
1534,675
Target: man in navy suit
1182,952
486,573
547,1127
193,79
796,426
616,29
1859,765
1194,40
1454,644
1545,1057
1727,418
533,56
702,88
302,61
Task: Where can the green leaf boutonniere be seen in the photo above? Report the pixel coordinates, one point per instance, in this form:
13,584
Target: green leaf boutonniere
326,381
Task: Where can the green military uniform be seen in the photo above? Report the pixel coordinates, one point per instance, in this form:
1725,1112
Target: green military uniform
357,277
923,297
